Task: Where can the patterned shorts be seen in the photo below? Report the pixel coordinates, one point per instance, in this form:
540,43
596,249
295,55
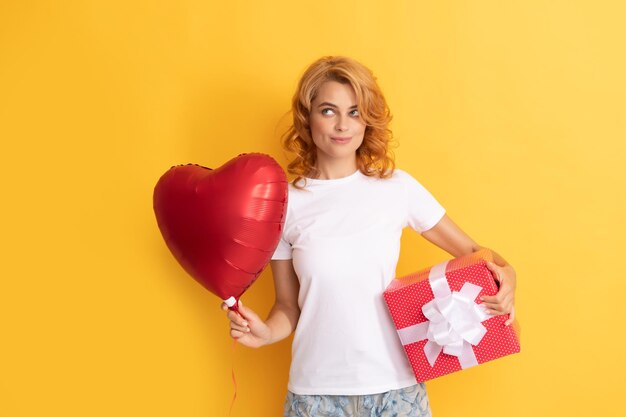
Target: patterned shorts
406,402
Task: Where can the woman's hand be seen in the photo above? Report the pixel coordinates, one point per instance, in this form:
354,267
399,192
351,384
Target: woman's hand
247,327
503,302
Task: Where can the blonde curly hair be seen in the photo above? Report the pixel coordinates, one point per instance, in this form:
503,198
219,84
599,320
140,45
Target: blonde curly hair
374,156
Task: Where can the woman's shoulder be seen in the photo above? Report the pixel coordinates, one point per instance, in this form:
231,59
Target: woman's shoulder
397,173
403,177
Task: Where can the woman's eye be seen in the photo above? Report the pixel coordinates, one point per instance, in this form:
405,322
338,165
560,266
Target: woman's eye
354,112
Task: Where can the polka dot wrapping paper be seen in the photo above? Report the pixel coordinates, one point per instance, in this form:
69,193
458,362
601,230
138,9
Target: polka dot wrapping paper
405,297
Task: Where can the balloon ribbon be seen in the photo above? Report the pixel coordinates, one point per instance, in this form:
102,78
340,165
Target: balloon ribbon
232,368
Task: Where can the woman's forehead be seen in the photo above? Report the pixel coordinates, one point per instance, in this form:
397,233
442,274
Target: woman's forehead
336,93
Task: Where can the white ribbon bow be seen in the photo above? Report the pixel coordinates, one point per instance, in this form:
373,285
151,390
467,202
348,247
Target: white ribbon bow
454,321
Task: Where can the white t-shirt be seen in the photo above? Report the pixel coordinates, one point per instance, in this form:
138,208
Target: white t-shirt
344,238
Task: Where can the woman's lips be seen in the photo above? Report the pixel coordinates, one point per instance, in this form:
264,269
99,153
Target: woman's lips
340,139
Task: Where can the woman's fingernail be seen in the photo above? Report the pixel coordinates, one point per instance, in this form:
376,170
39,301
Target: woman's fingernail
245,323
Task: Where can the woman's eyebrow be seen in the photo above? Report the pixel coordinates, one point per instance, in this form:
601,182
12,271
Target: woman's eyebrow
333,105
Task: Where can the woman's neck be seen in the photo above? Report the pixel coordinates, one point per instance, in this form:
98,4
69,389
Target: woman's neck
334,173
327,171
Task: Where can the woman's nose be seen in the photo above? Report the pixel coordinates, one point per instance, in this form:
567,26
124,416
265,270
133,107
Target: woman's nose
341,125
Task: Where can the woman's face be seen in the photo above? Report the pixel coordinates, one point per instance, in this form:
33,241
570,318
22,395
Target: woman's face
336,128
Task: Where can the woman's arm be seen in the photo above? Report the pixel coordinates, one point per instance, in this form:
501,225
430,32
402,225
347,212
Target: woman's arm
449,237
248,328
283,318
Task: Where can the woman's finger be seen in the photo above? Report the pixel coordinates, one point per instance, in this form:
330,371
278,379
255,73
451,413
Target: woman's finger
503,305
243,329
493,299
236,334
502,300
498,309
488,302
494,311
502,294
511,317
236,318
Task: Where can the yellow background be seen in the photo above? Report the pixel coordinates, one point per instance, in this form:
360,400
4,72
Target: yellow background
512,113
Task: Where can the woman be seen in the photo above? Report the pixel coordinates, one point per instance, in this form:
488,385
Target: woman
339,250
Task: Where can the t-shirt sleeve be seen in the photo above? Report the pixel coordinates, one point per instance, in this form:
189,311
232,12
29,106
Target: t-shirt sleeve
283,250
423,209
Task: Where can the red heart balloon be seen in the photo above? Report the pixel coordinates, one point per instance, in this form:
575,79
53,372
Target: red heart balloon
223,225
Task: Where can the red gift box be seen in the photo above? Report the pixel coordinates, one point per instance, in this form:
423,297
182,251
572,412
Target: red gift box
440,321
